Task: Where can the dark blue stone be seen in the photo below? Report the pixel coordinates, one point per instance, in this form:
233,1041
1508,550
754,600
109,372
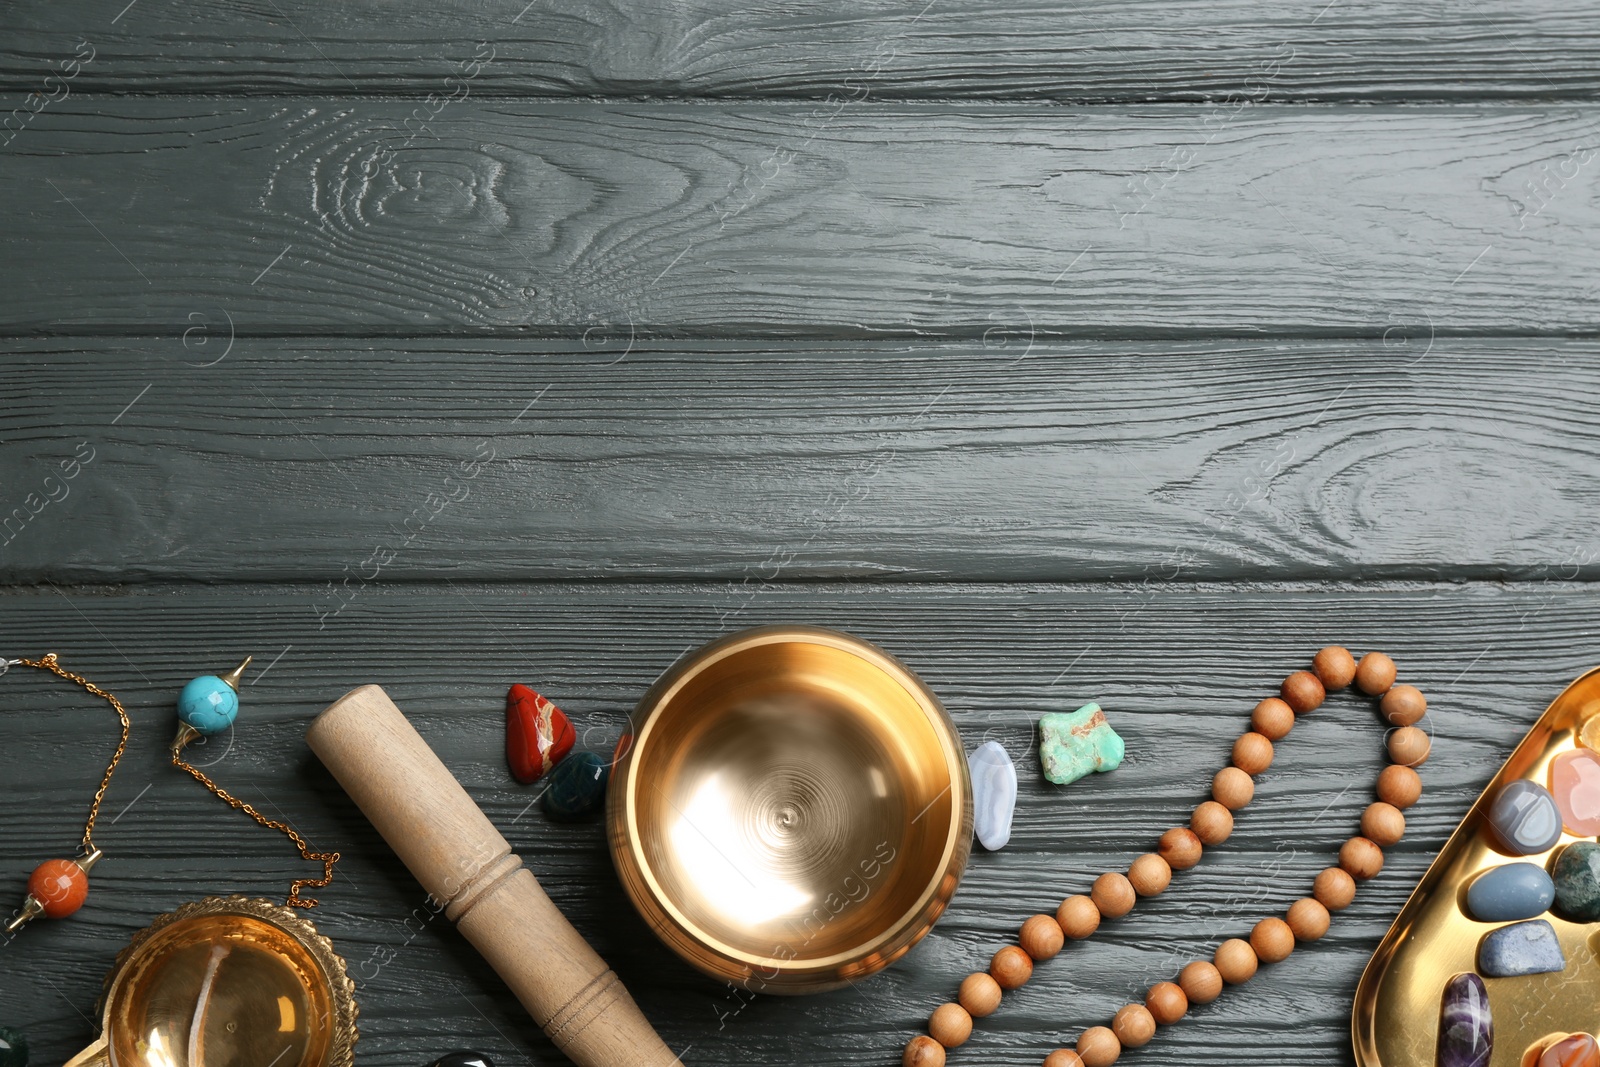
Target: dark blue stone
1510,891
13,1048
462,1058
1521,948
577,786
1466,1029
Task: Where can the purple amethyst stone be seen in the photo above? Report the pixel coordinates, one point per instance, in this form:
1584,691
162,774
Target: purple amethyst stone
1466,1030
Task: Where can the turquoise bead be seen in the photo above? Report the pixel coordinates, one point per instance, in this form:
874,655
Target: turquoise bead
577,786
208,704
13,1048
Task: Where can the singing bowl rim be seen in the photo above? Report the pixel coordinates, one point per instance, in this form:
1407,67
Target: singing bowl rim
775,974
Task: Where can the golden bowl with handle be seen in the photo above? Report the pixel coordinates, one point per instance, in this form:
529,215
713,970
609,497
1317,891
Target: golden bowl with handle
791,811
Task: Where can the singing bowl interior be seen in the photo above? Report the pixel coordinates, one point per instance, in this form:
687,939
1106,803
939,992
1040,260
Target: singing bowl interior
794,811
220,989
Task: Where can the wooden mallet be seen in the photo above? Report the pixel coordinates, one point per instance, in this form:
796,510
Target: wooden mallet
462,860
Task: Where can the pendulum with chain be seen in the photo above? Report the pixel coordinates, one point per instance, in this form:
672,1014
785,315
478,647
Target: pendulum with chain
289,999
57,888
208,706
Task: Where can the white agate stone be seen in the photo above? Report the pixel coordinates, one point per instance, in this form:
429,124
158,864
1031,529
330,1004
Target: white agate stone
994,794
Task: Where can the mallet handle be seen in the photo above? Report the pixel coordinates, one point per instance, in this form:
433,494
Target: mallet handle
461,859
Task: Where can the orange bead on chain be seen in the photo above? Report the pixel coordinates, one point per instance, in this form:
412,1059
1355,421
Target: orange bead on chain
1236,960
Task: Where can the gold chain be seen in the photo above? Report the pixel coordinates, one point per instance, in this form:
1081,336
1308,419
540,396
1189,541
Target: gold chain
48,662
328,859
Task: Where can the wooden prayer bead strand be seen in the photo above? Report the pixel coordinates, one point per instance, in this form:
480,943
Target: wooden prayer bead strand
1235,960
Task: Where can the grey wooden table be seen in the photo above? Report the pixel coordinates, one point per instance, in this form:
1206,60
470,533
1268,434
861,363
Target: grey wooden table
1125,351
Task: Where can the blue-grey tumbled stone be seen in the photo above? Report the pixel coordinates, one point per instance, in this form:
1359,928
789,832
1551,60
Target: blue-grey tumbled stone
1523,819
1521,948
1466,1029
1510,891
994,794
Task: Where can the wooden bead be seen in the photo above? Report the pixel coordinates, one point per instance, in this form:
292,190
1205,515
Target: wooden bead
923,1051
1252,753
1167,1002
1233,788
1063,1057
1235,961
1149,875
1334,888
950,1025
1272,940
1180,848
1382,824
1200,981
1211,823
1408,746
1403,705
1113,894
1360,858
1302,691
1272,719
1400,786
1375,674
1134,1025
1078,917
1011,967
1335,667
1099,1047
979,994
1041,937
1307,919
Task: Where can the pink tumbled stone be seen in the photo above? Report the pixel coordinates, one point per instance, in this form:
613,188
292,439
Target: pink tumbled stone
1575,783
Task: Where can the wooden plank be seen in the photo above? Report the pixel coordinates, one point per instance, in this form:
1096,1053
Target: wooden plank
1095,50
356,463
801,220
1177,667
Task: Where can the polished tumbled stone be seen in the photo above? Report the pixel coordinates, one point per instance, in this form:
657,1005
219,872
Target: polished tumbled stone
1575,785
577,786
1574,1050
1466,1028
1510,891
994,794
1521,948
1523,818
1576,875
13,1048
1073,744
462,1059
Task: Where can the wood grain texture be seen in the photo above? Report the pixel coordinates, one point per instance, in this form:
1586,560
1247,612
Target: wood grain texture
358,463
1177,669
843,220
1095,50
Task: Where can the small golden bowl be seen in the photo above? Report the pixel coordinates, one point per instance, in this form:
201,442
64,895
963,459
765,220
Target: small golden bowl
792,812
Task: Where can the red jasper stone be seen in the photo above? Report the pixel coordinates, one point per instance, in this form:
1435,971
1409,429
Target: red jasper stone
60,885
538,735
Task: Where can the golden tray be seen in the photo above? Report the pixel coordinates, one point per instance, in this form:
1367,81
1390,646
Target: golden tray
793,812
1395,1020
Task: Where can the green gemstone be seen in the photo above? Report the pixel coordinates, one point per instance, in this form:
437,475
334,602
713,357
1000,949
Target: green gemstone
1072,744
13,1048
1577,877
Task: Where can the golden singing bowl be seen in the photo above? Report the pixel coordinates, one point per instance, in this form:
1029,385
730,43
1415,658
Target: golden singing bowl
226,982
794,811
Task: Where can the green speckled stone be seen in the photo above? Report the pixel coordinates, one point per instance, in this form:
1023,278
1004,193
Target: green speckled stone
13,1048
1577,877
1072,744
